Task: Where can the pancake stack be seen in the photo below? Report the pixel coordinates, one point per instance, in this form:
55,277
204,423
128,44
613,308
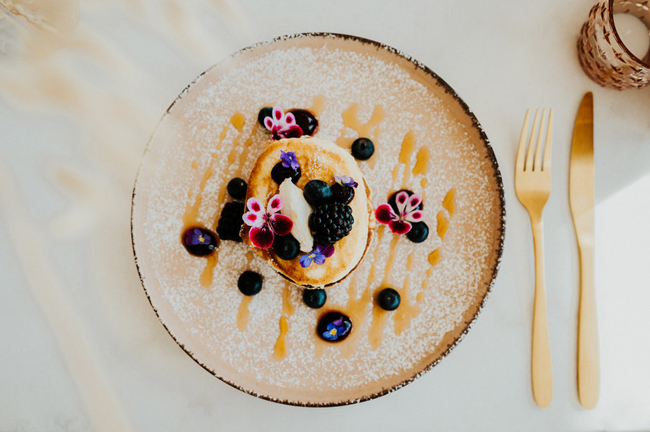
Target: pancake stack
319,160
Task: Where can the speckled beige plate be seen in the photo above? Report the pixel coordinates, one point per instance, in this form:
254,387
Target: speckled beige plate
426,140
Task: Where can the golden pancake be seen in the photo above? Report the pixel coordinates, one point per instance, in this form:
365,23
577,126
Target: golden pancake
319,160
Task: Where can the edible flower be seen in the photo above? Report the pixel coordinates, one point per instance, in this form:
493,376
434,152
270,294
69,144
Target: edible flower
346,181
336,329
407,206
289,160
196,237
318,255
282,125
266,224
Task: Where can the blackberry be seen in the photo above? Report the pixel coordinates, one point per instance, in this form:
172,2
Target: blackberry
231,221
331,222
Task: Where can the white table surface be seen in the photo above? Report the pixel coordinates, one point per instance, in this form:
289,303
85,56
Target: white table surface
83,350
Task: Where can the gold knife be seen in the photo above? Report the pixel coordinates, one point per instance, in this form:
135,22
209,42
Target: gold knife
581,197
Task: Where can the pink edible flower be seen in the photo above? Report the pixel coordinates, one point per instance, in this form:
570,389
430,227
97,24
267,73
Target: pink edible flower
282,125
266,224
407,207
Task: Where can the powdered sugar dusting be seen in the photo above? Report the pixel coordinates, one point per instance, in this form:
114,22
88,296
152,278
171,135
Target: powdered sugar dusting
292,77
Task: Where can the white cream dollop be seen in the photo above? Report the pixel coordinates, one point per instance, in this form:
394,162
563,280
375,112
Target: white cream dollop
296,208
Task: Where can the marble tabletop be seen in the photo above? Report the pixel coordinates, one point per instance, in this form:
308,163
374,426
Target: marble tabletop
82,87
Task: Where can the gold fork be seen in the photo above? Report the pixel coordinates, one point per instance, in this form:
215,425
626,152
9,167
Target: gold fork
533,187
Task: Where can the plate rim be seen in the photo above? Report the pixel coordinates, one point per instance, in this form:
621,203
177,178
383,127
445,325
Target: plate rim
490,154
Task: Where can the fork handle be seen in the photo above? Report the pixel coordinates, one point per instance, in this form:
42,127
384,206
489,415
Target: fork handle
588,358
542,371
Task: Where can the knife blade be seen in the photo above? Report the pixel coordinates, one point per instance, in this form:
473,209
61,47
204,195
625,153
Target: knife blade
581,198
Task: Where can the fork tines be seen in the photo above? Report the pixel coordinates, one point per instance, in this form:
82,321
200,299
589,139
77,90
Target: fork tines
525,161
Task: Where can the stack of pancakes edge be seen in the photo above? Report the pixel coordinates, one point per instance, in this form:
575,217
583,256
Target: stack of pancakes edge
319,160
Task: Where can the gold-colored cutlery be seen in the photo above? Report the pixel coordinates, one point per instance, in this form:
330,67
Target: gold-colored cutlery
581,197
533,187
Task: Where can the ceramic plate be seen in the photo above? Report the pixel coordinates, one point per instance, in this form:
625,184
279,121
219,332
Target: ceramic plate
426,141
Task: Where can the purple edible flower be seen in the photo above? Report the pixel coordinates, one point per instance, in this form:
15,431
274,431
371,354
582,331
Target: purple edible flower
196,237
282,125
346,181
318,255
289,159
336,329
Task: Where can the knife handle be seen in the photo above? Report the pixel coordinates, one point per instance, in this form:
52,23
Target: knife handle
541,367
588,357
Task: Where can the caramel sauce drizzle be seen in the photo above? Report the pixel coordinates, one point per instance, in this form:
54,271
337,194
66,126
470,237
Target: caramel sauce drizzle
243,313
373,266
422,165
443,224
434,257
378,323
280,349
391,259
408,146
238,121
356,310
317,105
379,315
448,203
406,311
208,271
191,215
367,130
421,161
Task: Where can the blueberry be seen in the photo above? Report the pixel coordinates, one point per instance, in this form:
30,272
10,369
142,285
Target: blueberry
393,203
317,192
314,298
334,327
388,299
363,148
419,232
199,241
237,188
286,247
306,120
250,283
264,113
341,193
279,173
